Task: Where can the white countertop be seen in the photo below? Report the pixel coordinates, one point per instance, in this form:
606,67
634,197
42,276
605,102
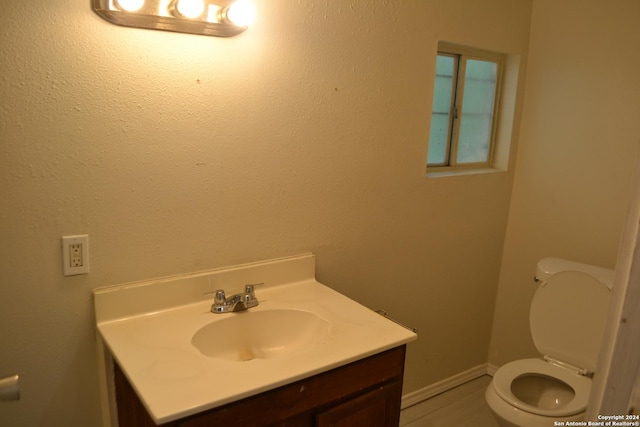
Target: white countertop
174,379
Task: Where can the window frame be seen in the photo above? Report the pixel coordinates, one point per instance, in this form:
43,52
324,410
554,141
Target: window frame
461,55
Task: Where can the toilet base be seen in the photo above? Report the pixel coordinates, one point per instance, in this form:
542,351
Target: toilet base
510,416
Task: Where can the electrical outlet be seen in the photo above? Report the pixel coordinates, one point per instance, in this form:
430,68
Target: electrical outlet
75,254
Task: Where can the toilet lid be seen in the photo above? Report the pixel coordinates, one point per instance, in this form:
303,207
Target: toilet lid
567,318
505,375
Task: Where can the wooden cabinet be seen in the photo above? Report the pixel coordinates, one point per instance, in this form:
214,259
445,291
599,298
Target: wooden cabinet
362,393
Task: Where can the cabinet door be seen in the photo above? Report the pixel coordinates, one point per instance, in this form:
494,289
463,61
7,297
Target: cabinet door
376,408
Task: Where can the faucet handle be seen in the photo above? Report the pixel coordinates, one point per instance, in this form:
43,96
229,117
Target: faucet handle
220,297
250,289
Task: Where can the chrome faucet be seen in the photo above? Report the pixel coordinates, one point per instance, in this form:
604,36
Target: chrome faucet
237,302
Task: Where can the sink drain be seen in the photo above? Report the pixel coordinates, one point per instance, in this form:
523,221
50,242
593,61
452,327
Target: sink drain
246,355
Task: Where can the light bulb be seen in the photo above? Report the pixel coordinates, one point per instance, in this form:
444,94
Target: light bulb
241,13
190,8
129,5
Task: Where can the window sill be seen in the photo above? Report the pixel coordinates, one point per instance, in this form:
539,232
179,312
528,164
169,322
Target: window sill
441,173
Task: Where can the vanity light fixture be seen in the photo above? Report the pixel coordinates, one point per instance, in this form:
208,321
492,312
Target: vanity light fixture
222,18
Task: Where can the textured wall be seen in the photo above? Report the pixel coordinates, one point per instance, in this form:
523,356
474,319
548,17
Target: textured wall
578,147
178,153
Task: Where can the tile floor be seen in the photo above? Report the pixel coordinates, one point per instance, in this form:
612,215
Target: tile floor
458,407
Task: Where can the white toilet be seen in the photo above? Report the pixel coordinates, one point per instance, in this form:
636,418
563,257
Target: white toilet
567,319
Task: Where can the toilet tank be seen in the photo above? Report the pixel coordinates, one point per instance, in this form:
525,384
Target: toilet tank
568,311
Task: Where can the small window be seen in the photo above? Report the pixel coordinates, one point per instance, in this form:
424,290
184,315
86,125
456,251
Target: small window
463,117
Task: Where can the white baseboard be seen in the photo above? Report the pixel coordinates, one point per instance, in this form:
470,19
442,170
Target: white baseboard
429,391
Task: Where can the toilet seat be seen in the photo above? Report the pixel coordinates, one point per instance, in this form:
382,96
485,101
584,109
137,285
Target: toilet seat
567,318
504,377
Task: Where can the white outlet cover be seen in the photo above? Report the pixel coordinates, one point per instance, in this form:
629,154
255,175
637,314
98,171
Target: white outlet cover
67,241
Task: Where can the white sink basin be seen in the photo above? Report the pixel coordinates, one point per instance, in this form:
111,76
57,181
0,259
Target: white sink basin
265,334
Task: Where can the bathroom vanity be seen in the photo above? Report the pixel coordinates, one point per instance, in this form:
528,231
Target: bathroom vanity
305,355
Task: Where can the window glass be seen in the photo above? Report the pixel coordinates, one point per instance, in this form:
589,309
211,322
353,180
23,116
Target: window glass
440,117
477,111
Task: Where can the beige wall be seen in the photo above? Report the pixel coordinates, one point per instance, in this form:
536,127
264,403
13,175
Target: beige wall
178,153
578,144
